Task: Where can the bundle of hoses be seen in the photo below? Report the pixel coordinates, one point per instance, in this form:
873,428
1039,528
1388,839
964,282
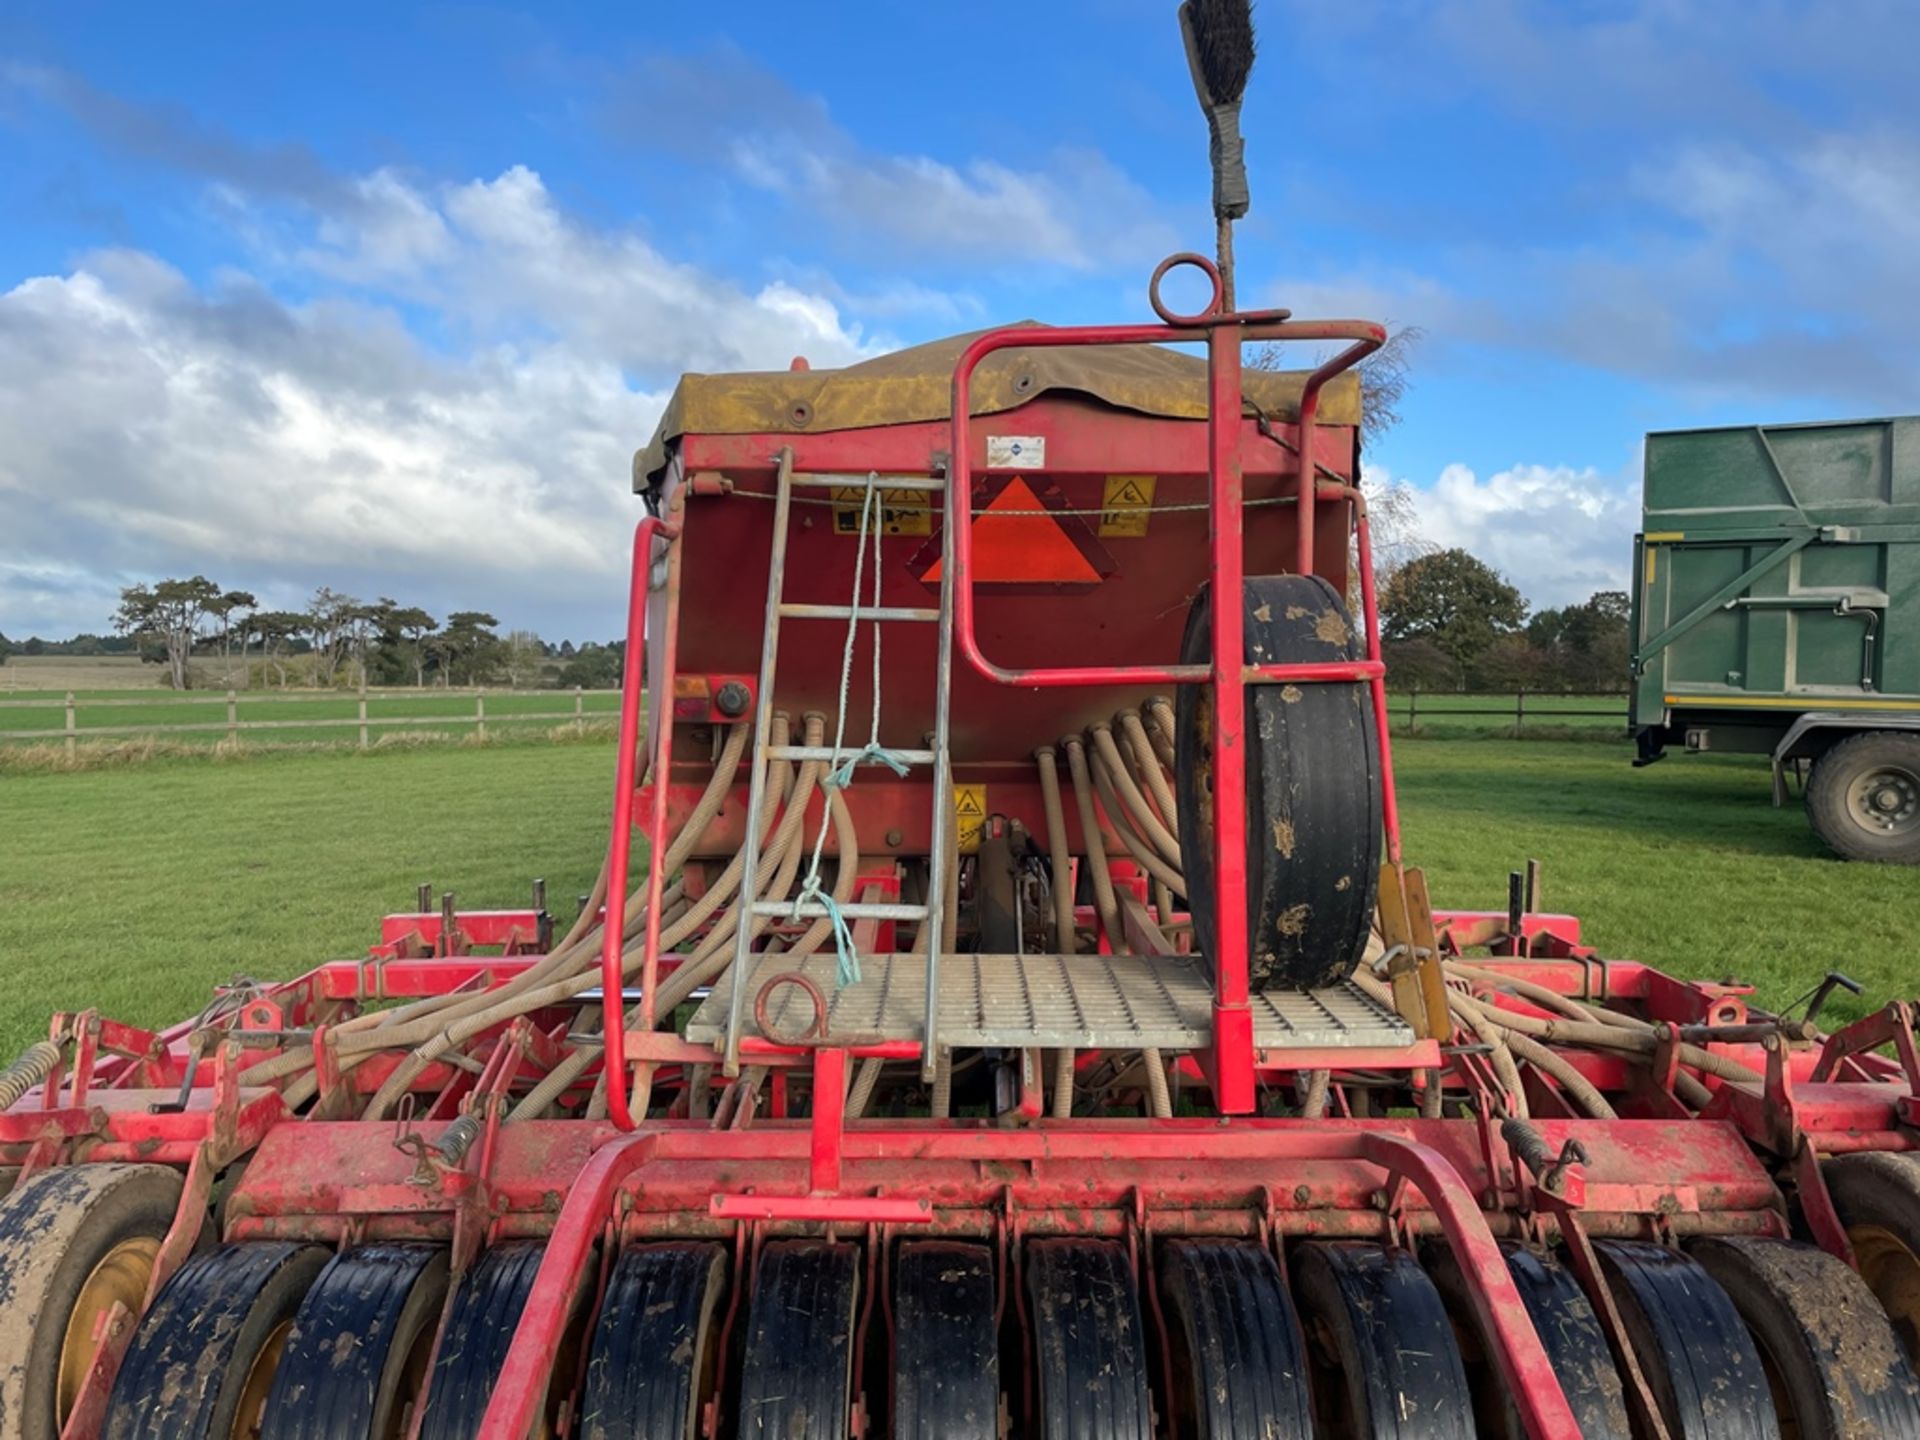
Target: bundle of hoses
1123,766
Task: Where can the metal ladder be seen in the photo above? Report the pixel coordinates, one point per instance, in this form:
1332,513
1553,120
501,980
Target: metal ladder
778,609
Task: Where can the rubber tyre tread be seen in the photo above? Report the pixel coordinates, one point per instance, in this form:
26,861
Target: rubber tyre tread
1089,1344
189,1360
1246,1357
796,1379
377,1297
1395,1361
645,1362
1841,1367
486,1312
1313,790
1569,1331
53,1231
1827,809
946,1352
1693,1346
1880,1189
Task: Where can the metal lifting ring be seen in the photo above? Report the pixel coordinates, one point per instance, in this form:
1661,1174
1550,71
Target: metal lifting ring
1206,267
815,1030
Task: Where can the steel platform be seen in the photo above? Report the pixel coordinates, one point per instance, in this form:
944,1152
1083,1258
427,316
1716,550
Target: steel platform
1083,1001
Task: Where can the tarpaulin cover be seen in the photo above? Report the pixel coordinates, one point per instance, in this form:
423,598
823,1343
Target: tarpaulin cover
915,385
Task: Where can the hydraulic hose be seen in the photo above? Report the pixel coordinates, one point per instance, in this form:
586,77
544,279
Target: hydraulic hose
1107,757
1103,896
1059,856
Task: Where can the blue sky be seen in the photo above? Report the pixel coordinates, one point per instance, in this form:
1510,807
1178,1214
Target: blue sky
384,296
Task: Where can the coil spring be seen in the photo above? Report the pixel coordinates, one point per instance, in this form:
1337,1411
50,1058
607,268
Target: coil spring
36,1062
457,1139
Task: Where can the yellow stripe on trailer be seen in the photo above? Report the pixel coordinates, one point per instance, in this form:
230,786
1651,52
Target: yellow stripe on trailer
1787,702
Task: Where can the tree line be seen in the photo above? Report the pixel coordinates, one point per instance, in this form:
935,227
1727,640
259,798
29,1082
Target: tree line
336,639
1450,621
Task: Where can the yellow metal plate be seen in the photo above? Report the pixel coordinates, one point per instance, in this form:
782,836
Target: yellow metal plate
1128,505
969,815
902,512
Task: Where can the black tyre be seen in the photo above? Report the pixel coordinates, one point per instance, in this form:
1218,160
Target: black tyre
73,1240
1569,1332
1691,1343
1863,798
1380,1347
946,1366
486,1312
1089,1347
796,1378
1239,1360
1313,790
357,1357
203,1361
650,1363
1835,1368
1877,1196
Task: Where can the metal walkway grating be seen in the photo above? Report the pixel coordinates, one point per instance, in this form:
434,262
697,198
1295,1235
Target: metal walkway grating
1086,1001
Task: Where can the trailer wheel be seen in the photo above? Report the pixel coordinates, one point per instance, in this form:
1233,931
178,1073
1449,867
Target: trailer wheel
1384,1360
650,1366
1569,1332
1877,1195
1239,1361
1832,1362
946,1346
1701,1363
796,1379
203,1361
1313,790
73,1240
1863,798
1089,1346
479,1332
358,1353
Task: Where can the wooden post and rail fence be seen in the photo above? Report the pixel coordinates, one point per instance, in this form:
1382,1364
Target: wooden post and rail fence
507,711
1440,710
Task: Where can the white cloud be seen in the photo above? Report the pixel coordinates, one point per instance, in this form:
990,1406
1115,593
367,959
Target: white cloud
149,425
1555,532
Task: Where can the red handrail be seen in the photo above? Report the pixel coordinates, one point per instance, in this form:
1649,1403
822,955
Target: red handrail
620,848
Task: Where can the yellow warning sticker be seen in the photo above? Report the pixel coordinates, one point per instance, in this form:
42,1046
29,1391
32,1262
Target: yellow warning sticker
969,815
1128,505
902,512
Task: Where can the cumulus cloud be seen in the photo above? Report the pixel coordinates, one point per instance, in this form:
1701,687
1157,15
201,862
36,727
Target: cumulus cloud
150,425
1555,532
1067,206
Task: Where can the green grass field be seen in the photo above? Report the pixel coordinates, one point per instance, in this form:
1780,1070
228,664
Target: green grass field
136,889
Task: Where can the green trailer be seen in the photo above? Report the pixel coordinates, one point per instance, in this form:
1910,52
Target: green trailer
1776,611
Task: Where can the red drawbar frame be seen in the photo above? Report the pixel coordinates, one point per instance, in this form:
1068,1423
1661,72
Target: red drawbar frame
1223,332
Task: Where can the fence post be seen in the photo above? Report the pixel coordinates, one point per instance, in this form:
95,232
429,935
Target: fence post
579,710
480,714
233,717
72,726
1413,708
1519,709
363,719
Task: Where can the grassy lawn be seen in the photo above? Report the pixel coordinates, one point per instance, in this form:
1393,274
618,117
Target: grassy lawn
136,889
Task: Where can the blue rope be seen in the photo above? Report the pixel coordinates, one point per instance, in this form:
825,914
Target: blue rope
842,777
848,972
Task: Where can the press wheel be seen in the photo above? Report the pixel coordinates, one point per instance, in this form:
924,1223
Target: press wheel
1832,1363
1312,789
1569,1332
1239,1360
946,1350
357,1357
1691,1343
1384,1360
796,1378
650,1365
202,1363
73,1240
1089,1347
